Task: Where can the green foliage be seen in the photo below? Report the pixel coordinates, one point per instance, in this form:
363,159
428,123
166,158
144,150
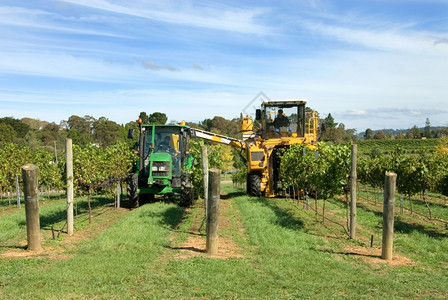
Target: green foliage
50,173
223,126
298,167
7,133
157,118
388,146
19,127
12,158
239,176
368,135
215,160
94,167
144,117
326,169
415,172
329,122
106,132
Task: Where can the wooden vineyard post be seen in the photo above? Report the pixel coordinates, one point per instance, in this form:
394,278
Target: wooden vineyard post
353,178
18,191
211,228
69,165
401,204
118,194
204,157
307,200
388,215
30,174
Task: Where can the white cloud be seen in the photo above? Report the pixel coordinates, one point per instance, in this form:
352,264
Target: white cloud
209,16
44,20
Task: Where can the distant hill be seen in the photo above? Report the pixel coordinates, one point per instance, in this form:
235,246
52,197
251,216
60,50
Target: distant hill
394,132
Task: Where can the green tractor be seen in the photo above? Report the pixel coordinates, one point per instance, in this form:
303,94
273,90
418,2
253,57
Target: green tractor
164,164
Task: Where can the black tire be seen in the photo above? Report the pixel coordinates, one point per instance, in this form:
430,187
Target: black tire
255,185
248,184
186,194
132,182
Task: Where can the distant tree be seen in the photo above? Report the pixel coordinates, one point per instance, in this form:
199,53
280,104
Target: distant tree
380,135
144,117
351,135
157,118
389,135
50,133
124,130
81,139
83,124
106,132
427,130
7,133
34,123
414,133
19,127
222,126
400,136
334,135
438,133
368,135
329,122
32,140
194,125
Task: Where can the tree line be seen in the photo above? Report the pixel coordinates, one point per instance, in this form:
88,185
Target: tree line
415,132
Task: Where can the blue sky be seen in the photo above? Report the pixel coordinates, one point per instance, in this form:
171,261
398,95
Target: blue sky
371,64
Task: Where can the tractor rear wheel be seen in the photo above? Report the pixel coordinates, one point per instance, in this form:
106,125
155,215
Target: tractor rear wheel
255,185
132,182
248,184
186,194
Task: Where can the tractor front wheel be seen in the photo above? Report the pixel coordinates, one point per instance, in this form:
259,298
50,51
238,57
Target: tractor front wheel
255,185
186,194
132,182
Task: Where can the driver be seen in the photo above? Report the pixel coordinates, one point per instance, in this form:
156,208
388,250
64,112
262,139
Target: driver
165,143
280,121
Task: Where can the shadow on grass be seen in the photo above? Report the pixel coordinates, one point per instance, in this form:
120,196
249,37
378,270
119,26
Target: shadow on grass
405,227
284,218
233,195
170,217
14,247
192,249
349,253
47,220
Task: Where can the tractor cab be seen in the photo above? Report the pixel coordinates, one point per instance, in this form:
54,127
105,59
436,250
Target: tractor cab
282,118
164,152
164,164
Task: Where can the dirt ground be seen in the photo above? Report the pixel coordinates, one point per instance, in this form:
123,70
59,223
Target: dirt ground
373,256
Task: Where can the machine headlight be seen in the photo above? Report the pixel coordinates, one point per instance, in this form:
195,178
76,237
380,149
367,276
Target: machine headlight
162,168
154,168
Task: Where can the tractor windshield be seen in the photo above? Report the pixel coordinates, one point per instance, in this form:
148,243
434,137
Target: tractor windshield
284,121
164,139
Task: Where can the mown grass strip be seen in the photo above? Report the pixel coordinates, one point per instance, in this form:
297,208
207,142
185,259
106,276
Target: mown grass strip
286,255
110,266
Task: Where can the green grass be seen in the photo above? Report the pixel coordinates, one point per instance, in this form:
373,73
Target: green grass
287,253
